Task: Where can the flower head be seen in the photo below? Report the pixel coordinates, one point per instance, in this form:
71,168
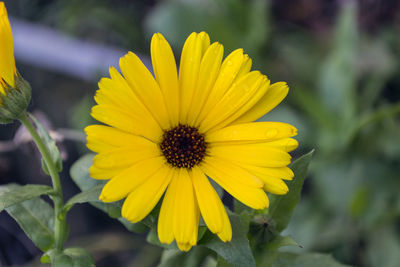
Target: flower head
15,92
172,133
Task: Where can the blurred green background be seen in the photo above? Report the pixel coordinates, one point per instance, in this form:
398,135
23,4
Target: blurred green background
341,61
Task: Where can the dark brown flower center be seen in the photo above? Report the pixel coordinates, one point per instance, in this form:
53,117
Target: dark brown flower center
183,146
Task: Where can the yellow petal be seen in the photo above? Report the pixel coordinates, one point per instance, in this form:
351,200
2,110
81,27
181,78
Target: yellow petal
192,53
250,196
264,86
274,95
108,138
235,172
98,147
285,144
275,186
184,216
184,246
211,207
253,154
195,233
208,73
254,131
124,183
272,183
284,173
104,174
111,92
226,234
115,91
125,156
205,39
128,122
237,96
7,61
144,198
165,218
245,67
145,87
229,69
164,67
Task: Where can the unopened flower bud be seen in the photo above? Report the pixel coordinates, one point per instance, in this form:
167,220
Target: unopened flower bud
15,92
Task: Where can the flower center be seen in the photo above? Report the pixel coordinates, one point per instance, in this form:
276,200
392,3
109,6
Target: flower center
183,146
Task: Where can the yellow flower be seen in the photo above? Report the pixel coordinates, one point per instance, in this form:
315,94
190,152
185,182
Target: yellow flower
7,62
173,133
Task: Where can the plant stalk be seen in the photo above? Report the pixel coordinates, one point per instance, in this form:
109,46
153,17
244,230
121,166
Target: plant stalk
60,223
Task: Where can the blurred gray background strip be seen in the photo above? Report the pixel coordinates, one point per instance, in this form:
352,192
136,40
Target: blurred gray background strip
47,48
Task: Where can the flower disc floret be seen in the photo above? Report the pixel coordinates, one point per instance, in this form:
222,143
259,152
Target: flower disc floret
183,146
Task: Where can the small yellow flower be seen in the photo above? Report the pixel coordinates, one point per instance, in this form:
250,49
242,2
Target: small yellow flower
7,62
173,132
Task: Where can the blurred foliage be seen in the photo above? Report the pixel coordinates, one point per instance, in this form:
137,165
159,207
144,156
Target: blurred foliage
341,62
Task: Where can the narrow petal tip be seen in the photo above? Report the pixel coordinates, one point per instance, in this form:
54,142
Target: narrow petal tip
157,37
184,246
102,197
3,10
291,145
224,238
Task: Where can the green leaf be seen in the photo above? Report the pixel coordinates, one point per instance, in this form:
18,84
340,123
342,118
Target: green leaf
70,257
237,252
12,194
80,175
138,227
152,238
281,241
91,195
217,188
35,217
91,189
196,257
268,254
222,263
306,260
171,258
202,232
282,206
261,232
51,146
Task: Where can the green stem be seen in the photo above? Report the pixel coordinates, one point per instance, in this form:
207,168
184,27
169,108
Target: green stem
60,223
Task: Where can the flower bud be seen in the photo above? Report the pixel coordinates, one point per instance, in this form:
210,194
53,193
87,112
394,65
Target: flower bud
15,92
